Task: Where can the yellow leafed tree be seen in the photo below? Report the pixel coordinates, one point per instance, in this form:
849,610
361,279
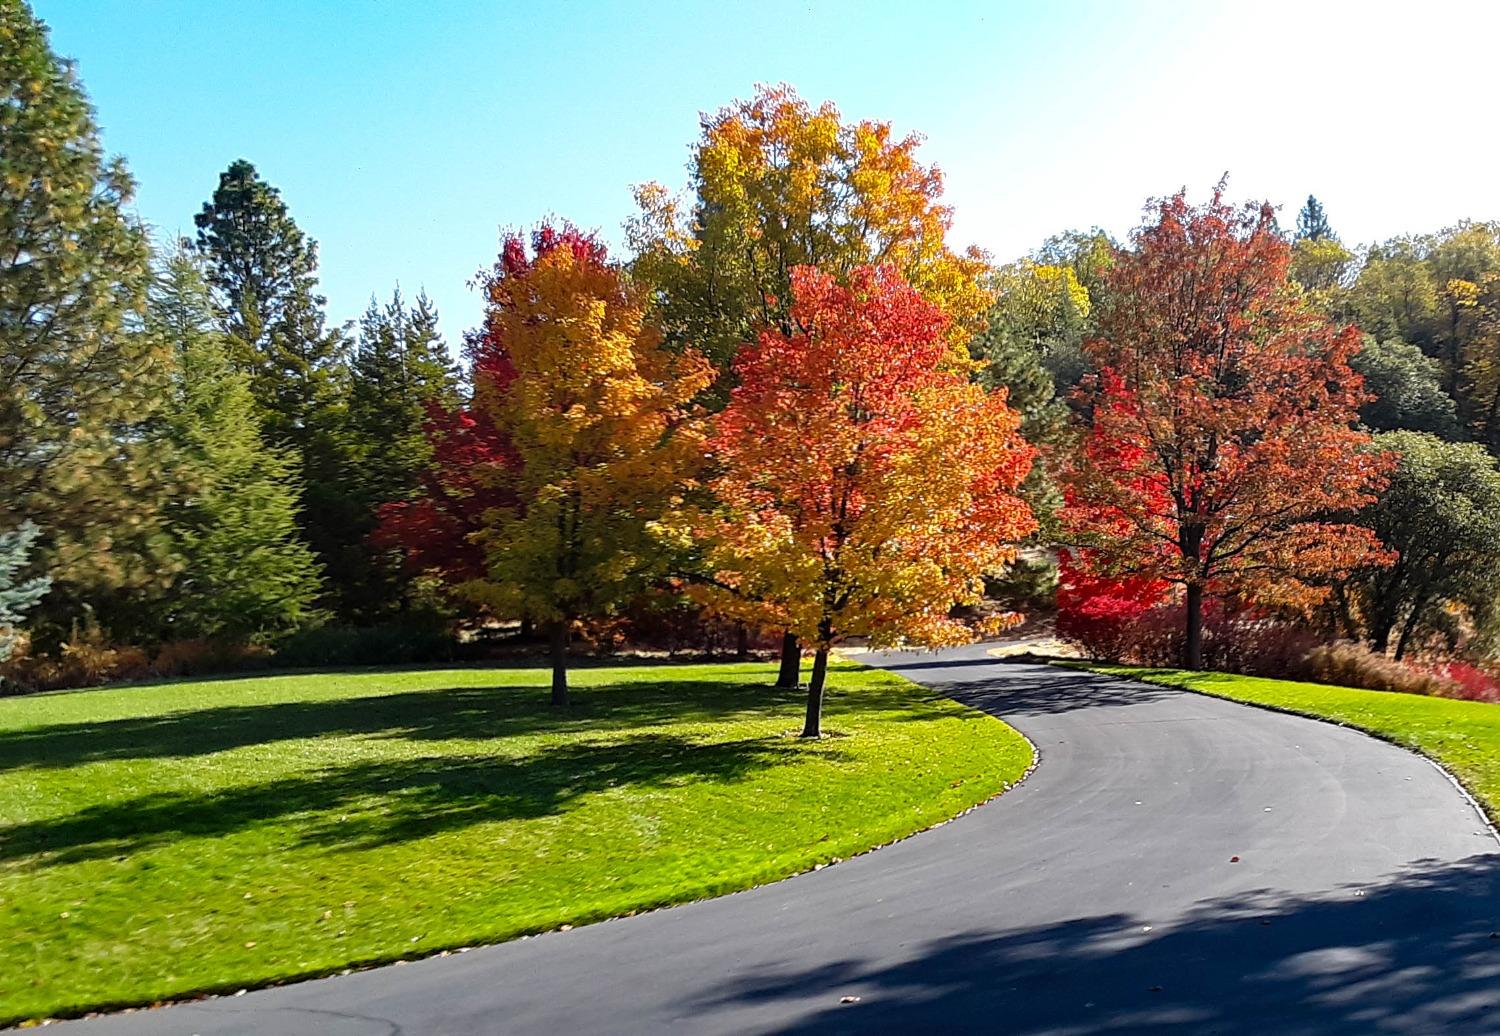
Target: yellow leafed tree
595,413
777,184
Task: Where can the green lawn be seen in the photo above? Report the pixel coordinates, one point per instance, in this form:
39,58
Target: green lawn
161,840
1463,736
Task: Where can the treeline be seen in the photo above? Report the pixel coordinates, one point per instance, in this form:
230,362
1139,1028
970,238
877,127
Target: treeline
794,414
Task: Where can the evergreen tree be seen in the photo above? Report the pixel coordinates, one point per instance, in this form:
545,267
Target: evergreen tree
16,598
400,367
1312,222
263,271
78,381
246,571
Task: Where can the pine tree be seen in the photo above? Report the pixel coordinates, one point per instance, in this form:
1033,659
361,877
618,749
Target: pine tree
400,366
263,272
1312,222
400,369
246,570
79,383
16,598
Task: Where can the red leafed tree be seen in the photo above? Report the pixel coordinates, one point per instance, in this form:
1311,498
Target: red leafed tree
1222,441
435,532
864,486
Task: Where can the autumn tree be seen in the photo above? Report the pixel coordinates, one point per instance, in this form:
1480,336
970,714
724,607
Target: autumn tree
1222,443
570,370
864,486
776,183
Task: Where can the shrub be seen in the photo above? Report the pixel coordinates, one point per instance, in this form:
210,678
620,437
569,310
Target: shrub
374,645
203,657
1354,665
85,660
1471,682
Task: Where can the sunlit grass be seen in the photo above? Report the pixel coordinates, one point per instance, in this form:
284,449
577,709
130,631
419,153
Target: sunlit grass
157,841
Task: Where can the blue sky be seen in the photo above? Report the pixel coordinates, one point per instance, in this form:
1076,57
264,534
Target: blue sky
404,135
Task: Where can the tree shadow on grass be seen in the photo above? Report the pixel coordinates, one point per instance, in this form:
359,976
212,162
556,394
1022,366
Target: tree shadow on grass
366,805
1416,953
500,711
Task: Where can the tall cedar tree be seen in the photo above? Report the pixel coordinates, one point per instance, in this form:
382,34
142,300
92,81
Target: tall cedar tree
865,487
263,271
1222,437
776,184
1312,222
399,371
571,371
246,572
79,383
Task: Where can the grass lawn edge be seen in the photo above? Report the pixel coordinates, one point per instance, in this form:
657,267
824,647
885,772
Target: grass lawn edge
769,874
1488,812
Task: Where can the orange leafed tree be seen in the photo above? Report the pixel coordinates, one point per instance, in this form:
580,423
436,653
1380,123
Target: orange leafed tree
572,376
1222,445
864,487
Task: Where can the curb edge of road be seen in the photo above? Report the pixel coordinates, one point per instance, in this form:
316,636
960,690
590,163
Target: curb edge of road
1488,824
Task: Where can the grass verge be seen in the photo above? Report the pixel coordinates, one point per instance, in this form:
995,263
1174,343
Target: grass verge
162,841
1461,736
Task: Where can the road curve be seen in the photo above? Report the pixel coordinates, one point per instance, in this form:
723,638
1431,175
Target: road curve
1176,863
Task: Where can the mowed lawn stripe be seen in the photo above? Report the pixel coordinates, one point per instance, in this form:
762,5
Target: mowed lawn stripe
162,840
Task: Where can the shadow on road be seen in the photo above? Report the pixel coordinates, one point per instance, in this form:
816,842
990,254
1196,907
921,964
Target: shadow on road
1416,953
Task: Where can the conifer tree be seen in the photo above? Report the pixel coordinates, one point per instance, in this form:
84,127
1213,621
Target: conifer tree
263,272
16,598
1312,222
399,371
79,383
246,570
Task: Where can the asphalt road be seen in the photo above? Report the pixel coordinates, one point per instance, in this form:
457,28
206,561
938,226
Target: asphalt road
1176,863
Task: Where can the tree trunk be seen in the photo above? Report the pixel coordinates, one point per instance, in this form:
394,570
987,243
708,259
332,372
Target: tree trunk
1193,654
791,661
813,726
741,642
1412,621
525,631
557,634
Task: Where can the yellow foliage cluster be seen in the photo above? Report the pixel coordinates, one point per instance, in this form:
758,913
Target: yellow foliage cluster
777,184
587,397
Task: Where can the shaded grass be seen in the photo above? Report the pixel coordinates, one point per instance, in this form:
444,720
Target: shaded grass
189,837
1462,736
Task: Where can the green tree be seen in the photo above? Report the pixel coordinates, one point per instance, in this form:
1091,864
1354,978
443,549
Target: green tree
400,367
263,271
17,598
79,383
1394,295
1312,222
246,571
1408,390
1441,514
1040,311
